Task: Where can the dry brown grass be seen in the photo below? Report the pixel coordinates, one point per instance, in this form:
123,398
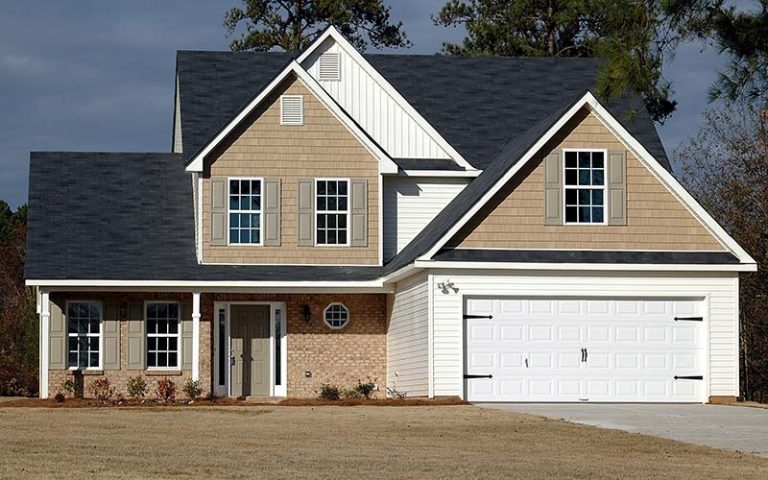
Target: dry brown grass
338,442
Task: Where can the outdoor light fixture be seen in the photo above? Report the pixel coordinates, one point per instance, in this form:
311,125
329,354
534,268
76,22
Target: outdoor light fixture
307,314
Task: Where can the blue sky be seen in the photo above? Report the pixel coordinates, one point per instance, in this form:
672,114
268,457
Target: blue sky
98,76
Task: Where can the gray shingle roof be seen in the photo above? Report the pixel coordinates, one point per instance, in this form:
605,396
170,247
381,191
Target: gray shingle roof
478,104
129,216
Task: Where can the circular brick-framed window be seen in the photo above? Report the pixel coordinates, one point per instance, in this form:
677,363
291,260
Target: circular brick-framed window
336,316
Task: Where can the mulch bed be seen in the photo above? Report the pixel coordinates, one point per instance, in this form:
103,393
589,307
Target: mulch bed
229,402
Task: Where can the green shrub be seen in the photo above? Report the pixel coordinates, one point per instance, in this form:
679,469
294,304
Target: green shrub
166,390
329,392
137,387
193,389
101,389
365,389
69,387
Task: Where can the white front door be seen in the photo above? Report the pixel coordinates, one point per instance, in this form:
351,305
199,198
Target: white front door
572,350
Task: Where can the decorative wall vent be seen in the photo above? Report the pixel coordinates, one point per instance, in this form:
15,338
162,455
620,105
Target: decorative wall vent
330,66
292,110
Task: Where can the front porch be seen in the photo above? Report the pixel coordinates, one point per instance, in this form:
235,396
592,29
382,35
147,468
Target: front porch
235,344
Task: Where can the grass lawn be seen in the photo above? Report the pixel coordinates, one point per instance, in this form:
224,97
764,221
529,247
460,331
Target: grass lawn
341,442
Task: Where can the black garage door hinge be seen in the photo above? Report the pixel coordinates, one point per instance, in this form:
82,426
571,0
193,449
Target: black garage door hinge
689,377
477,376
689,319
478,316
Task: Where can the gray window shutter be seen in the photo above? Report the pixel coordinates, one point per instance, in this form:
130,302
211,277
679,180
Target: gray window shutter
553,188
218,211
617,188
137,337
186,337
359,213
306,227
57,339
271,212
111,336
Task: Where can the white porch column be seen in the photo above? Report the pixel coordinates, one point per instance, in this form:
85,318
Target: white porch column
195,335
45,329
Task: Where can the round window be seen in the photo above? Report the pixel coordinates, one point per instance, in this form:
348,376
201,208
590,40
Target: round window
336,316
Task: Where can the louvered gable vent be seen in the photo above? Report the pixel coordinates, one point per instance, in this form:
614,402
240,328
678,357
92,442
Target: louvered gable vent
330,68
292,110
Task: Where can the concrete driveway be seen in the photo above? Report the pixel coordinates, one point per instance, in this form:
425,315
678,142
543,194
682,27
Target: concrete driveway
743,429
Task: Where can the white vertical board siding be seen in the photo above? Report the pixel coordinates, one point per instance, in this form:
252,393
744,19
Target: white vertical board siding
410,203
373,108
719,295
407,337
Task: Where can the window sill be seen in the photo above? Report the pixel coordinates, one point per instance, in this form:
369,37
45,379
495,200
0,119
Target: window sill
163,373
86,372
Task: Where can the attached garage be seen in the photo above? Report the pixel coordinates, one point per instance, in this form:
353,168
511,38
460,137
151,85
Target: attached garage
584,349
583,336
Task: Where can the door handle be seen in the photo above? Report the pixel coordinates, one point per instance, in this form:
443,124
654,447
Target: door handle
526,363
586,354
582,354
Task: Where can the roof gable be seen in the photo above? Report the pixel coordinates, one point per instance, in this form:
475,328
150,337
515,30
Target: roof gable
196,161
514,156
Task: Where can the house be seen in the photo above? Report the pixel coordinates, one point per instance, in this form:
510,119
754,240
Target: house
479,227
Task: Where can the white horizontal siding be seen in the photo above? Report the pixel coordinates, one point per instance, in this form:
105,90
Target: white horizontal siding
410,203
407,338
719,292
373,108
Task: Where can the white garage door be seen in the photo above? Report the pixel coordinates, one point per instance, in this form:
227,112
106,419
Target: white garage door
571,350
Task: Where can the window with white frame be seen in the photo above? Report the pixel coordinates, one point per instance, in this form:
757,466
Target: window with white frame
84,334
332,210
163,335
584,186
336,316
245,211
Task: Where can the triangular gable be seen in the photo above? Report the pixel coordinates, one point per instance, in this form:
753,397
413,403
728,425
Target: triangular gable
331,34
386,165
589,102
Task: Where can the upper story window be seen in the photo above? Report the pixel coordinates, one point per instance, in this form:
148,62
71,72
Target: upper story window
584,186
332,210
245,211
84,335
163,335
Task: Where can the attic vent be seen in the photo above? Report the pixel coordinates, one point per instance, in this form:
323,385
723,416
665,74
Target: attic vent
292,110
330,68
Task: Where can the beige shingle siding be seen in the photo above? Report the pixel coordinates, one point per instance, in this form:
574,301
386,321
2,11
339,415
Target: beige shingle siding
322,147
656,220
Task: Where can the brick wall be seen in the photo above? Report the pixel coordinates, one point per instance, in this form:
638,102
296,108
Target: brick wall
340,357
119,378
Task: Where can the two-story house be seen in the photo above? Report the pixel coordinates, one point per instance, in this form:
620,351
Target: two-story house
479,227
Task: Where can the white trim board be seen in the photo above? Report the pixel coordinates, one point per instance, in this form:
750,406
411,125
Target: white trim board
48,284
612,267
590,102
342,42
386,165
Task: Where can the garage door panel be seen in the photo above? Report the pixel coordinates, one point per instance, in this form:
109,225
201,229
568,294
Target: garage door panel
634,348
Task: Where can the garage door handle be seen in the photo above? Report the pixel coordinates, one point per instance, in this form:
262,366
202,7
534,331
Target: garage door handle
689,319
477,376
689,377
